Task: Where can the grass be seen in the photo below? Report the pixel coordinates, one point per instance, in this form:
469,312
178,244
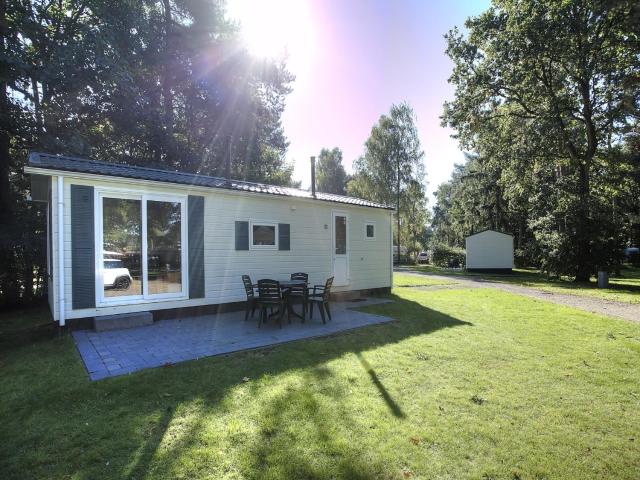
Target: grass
621,289
405,280
25,325
473,383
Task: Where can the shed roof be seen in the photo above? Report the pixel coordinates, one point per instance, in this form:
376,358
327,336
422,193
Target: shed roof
94,167
488,230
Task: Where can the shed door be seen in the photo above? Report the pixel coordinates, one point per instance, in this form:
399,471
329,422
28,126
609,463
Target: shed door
340,249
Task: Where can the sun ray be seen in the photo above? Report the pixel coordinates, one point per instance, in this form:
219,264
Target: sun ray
274,28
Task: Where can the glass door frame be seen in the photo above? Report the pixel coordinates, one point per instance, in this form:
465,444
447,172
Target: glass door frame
347,254
99,195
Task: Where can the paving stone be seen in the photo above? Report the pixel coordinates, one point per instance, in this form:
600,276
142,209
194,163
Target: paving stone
118,352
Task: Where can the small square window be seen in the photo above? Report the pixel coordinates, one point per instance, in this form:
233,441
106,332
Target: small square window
370,231
264,236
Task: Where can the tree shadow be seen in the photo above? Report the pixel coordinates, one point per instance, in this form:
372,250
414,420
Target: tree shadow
324,448
393,406
119,406
140,466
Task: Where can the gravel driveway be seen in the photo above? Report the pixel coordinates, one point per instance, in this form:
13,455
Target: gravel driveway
626,311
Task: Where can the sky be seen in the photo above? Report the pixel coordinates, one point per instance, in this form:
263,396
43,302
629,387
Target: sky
352,60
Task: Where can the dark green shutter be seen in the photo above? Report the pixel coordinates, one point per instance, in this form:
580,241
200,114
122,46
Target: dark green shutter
196,246
83,261
242,235
284,236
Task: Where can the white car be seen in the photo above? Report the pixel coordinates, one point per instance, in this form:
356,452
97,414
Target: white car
116,275
423,257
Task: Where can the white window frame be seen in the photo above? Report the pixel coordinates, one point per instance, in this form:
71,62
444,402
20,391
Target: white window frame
145,297
276,246
373,224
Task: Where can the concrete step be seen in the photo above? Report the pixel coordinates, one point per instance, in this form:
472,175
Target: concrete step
122,321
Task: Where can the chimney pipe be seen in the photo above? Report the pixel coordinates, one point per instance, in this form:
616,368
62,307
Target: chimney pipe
313,177
227,166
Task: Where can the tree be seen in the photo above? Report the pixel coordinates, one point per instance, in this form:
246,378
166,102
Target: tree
391,167
560,69
161,83
331,176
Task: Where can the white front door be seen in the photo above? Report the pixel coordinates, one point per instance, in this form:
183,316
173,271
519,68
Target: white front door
340,249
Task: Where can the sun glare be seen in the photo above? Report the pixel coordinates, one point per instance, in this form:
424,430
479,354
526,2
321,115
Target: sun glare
274,28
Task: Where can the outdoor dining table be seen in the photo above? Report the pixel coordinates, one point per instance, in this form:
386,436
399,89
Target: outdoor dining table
286,285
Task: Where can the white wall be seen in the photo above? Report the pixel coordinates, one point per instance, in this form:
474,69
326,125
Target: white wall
489,250
52,285
311,245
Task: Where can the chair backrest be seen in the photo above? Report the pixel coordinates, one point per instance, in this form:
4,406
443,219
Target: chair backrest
269,289
300,276
248,286
327,289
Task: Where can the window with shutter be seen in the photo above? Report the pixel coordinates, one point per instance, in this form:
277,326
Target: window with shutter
242,235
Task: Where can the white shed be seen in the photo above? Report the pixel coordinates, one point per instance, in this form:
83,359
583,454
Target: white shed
489,251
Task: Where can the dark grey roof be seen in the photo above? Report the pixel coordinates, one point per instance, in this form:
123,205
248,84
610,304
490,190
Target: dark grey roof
82,165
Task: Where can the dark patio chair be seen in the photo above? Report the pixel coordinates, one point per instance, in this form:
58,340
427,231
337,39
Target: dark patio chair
320,296
251,297
270,296
300,292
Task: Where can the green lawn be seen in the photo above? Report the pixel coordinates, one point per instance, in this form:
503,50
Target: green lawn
408,280
621,289
472,383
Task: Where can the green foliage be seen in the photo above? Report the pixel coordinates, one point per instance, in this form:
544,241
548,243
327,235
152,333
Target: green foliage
545,94
392,159
331,176
443,255
156,83
391,171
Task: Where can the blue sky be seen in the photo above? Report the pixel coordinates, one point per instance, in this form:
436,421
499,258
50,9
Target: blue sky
354,58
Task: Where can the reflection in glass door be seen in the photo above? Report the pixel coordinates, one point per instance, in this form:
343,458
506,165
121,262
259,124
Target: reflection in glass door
142,241
121,247
340,249
164,247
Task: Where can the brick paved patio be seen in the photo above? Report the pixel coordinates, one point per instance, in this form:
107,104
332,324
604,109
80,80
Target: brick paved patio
118,352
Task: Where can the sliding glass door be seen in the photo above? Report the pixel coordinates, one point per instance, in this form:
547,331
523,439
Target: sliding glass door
121,247
143,248
164,247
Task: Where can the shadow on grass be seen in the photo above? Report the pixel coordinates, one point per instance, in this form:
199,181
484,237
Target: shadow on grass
324,445
140,466
51,378
393,406
24,326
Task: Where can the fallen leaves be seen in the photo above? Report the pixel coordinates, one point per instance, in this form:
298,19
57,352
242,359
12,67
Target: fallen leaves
406,473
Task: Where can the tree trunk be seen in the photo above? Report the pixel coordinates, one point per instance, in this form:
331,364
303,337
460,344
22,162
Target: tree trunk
5,120
5,196
583,233
398,207
167,83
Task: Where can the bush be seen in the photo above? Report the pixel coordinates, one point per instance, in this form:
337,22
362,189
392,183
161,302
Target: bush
445,256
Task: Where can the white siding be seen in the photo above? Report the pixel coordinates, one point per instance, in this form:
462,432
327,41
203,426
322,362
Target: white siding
489,250
52,276
311,229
